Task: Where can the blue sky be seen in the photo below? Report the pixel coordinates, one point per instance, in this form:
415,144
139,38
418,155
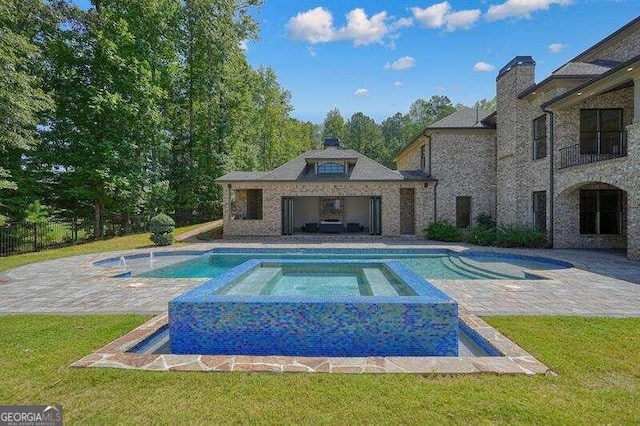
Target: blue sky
379,56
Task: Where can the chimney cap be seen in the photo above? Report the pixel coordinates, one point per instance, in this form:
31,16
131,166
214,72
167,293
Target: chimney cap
329,142
517,61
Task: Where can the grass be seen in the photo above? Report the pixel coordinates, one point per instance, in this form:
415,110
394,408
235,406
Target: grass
118,243
598,381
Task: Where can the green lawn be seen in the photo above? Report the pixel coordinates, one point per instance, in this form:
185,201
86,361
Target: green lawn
596,360
118,243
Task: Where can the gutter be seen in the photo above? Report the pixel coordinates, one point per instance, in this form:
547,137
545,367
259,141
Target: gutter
551,174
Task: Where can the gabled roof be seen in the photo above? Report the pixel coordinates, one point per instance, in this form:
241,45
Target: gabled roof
464,118
301,169
583,68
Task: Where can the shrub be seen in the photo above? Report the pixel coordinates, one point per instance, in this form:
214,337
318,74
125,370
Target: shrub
484,233
161,227
482,236
485,220
520,236
444,231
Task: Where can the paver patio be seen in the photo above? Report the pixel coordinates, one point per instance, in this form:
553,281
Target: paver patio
604,284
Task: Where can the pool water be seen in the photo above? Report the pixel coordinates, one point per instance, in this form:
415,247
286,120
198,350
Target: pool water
318,279
427,265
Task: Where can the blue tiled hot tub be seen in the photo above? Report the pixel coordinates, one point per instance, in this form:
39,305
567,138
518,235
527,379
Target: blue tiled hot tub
315,308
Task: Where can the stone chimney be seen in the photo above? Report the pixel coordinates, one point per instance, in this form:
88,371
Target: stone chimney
331,143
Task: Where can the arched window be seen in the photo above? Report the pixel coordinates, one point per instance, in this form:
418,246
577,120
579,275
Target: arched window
331,168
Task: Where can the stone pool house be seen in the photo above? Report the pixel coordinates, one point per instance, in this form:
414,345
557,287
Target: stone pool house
561,154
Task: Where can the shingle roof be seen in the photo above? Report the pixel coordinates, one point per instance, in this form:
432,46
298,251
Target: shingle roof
298,169
463,118
582,68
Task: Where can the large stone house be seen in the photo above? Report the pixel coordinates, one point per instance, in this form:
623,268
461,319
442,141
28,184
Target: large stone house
562,154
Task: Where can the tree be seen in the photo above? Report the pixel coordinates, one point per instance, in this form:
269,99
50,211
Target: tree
396,133
22,98
365,136
422,113
487,104
334,125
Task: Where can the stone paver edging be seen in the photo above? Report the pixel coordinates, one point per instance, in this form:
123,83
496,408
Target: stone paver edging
515,360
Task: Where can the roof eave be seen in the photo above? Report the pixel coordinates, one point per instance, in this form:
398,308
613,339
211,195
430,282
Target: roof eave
606,81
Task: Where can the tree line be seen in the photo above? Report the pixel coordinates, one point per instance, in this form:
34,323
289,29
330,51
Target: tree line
135,107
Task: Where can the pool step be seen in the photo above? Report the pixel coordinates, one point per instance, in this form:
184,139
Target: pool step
380,285
477,272
252,284
474,265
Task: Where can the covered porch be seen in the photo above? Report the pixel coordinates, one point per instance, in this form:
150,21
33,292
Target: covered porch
331,215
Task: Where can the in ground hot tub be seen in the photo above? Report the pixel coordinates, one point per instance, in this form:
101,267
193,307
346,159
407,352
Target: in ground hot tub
315,308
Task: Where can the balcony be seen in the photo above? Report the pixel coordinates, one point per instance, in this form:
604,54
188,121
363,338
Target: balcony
604,147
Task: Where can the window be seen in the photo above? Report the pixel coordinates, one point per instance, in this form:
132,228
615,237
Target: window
331,168
463,212
254,204
540,210
600,211
540,137
601,131
423,159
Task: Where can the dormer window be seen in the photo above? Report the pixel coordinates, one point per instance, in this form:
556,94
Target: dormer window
331,169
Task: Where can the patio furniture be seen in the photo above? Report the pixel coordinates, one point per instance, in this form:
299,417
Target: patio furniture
310,227
334,227
354,227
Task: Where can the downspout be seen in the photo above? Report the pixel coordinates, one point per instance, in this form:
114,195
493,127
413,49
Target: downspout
551,174
435,200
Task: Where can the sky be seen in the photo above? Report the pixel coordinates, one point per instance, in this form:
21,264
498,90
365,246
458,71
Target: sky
378,56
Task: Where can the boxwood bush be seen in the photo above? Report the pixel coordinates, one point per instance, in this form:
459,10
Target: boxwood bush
444,231
520,236
161,227
484,233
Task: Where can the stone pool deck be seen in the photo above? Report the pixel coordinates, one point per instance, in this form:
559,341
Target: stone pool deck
603,284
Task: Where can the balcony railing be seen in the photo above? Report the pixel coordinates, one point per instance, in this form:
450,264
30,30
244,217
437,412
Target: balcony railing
579,154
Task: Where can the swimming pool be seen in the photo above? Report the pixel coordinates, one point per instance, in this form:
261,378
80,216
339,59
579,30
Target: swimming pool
428,263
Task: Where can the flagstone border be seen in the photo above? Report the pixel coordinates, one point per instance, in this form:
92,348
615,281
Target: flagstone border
515,360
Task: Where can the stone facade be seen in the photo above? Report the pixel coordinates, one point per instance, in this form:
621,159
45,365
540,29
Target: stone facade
464,164
273,192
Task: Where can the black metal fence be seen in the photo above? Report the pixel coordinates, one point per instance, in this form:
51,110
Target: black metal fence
20,237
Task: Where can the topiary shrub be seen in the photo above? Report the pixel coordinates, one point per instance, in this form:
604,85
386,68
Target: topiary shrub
161,227
444,231
520,236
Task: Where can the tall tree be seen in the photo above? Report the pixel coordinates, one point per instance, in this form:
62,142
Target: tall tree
422,113
22,98
104,73
334,125
396,133
365,136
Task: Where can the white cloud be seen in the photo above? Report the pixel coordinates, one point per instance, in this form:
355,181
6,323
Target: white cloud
363,30
556,47
403,63
398,83
432,16
483,67
313,26
442,15
361,92
316,26
520,8
312,51
463,19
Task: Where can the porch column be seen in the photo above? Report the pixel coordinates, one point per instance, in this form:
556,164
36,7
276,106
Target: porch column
633,193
